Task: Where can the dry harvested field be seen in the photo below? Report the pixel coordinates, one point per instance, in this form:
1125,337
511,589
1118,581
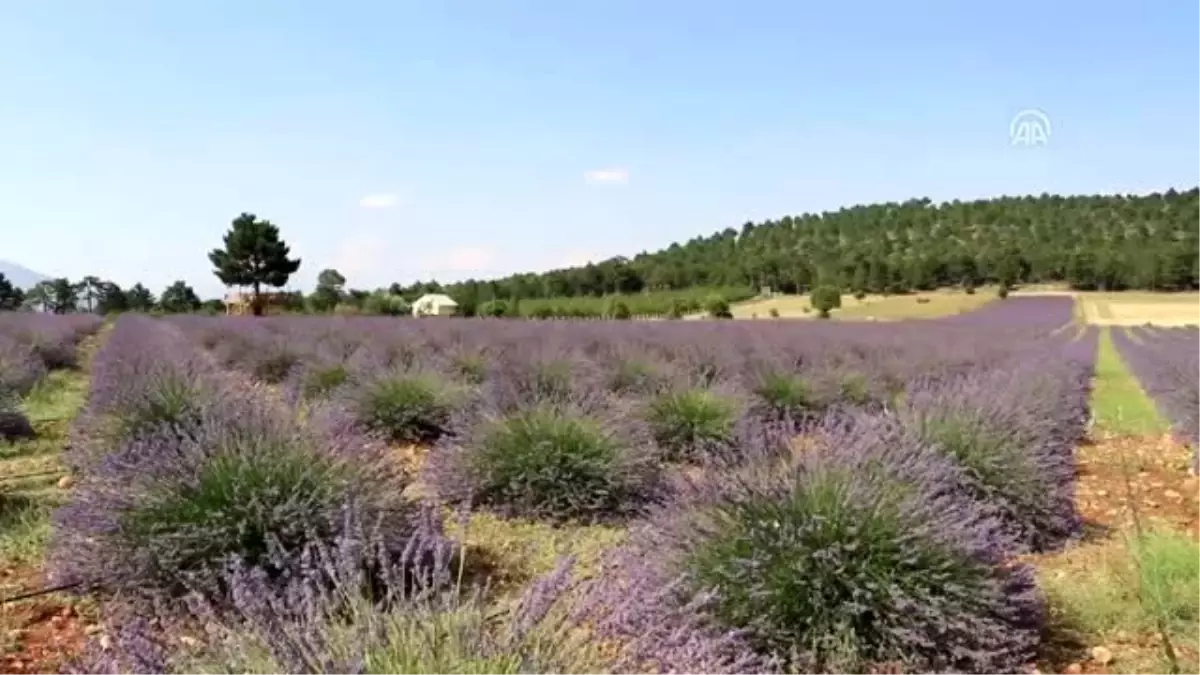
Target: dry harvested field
1134,308
982,492
923,305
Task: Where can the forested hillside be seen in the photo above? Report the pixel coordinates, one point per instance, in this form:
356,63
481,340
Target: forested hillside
1101,241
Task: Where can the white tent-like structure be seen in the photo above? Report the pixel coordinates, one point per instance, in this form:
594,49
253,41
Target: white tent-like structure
434,304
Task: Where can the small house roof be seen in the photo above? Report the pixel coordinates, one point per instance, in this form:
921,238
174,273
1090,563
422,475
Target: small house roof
438,299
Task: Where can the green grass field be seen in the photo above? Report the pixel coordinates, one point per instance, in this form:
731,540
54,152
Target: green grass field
1119,404
30,469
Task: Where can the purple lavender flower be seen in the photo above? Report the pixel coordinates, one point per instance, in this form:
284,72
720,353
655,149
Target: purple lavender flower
857,555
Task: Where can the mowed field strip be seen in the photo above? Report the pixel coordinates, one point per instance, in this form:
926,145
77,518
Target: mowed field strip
924,305
1134,308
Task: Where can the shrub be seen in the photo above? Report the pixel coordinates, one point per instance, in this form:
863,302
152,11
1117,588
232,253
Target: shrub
321,380
169,398
922,301
405,408
1003,468
335,624
690,423
1003,291
554,463
617,309
852,559
676,310
969,287
54,352
494,308
632,376
14,425
165,513
825,299
859,295
855,389
387,304
273,366
164,401
471,368
773,313
523,380
20,368
718,307
785,396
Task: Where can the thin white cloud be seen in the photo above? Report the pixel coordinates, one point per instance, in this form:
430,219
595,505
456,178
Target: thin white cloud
360,255
463,259
607,176
378,201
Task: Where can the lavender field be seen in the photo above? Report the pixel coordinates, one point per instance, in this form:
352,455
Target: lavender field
290,494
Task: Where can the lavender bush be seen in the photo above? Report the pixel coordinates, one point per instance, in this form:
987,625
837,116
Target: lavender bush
857,557
405,407
332,618
1167,363
20,368
1013,433
51,337
145,380
586,461
692,423
162,511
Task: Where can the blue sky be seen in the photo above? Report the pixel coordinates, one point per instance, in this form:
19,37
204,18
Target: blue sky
402,140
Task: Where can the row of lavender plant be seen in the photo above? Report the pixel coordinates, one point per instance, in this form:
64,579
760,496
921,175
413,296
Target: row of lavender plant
1167,363
886,544
984,465
185,475
30,346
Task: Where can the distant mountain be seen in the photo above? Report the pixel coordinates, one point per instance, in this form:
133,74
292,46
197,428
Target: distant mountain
22,277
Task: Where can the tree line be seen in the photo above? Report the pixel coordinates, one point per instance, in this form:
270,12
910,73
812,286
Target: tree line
1090,242
1095,242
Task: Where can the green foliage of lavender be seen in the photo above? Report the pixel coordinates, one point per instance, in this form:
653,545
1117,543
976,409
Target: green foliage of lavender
690,423
554,463
405,407
856,558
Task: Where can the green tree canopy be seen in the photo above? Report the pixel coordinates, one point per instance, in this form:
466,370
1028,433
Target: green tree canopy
254,256
111,299
139,299
328,292
385,303
1087,241
179,298
64,296
825,299
41,296
11,297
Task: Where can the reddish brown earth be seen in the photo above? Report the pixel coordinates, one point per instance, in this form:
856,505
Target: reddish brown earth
1118,477
42,633
1150,471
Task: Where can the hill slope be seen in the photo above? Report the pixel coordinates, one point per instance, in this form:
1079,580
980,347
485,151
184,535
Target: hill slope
1092,241
21,277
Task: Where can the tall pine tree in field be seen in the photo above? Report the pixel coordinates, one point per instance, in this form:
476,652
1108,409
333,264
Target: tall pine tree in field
254,256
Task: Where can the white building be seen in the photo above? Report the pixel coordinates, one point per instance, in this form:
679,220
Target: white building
434,304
